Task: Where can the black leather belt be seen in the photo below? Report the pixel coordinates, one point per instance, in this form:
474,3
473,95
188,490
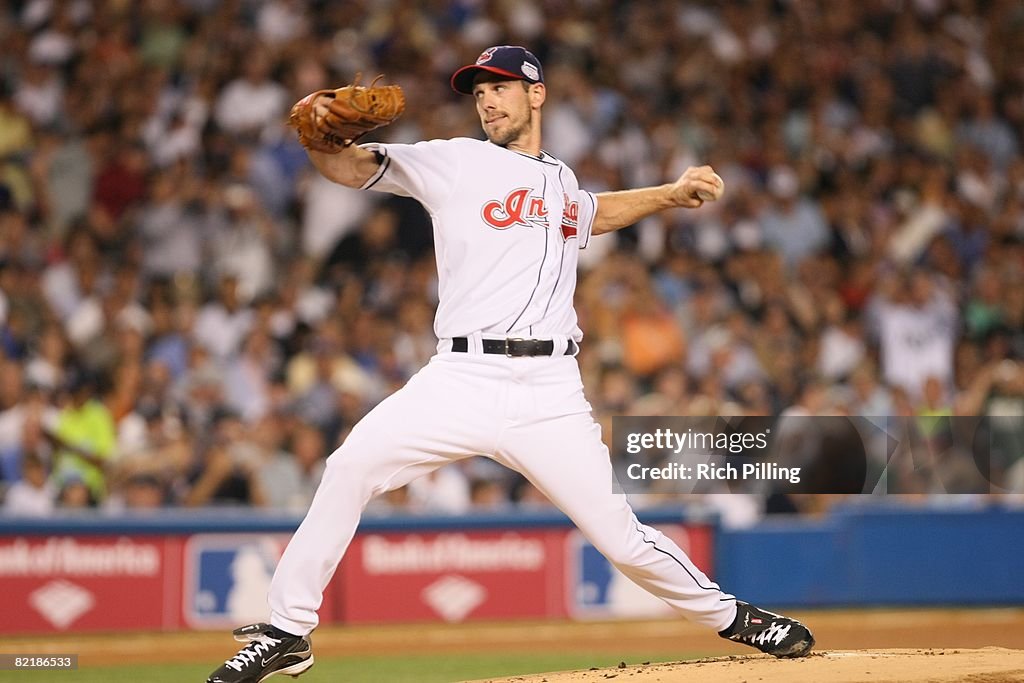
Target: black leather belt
514,347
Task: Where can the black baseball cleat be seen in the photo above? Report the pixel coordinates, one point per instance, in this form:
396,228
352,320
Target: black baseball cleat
770,633
269,651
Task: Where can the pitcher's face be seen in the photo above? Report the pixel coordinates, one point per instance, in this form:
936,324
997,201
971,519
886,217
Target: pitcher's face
504,109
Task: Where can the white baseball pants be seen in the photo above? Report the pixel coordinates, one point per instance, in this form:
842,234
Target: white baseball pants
528,414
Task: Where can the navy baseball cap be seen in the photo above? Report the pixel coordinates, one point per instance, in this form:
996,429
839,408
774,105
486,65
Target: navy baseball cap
506,60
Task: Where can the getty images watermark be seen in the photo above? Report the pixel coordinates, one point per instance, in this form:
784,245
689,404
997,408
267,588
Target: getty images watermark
799,454
711,443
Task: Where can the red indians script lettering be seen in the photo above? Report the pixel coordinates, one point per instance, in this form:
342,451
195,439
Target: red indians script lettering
518,208
570,218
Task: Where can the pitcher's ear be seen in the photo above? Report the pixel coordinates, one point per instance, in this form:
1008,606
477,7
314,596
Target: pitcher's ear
538,94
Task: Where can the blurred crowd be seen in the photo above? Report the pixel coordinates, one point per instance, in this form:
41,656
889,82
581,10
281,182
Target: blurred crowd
190,316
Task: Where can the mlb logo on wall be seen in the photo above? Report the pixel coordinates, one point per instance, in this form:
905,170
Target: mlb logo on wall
597,590
227,577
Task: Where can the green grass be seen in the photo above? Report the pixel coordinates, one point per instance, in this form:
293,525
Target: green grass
383,669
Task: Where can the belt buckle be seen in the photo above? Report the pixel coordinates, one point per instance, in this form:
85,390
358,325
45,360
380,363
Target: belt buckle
508,347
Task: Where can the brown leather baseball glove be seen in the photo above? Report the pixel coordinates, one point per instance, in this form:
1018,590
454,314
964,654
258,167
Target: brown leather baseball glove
352,111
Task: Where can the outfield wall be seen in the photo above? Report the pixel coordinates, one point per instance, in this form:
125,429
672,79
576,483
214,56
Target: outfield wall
212,569
862,556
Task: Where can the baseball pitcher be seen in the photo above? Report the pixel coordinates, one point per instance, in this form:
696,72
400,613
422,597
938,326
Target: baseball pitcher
509,220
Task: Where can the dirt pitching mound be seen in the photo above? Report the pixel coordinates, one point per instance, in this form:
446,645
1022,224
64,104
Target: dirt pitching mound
987,665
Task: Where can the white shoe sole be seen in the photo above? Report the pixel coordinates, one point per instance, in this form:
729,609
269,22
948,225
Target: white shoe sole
294,670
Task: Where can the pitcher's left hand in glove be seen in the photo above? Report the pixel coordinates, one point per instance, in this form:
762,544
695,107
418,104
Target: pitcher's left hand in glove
331,120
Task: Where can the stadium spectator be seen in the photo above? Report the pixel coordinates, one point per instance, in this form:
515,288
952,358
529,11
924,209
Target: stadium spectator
290,477
84,438
916,324
794,224
251,104
222,324
33,495
228,471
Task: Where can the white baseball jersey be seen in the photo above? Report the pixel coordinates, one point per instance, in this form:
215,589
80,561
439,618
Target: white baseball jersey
507,230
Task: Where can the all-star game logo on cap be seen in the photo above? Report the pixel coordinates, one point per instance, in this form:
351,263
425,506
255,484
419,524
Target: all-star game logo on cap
512,61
